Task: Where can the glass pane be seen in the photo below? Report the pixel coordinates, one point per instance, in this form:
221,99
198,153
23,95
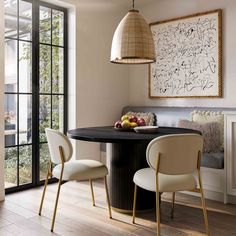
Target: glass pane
57,112
45,69
25,67
25,119
10,117
10,167
10,65
44,158
45,25
10,18
25,164
57,70
57,27
25,20
44,116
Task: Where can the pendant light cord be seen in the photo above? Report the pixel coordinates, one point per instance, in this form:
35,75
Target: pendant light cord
133,4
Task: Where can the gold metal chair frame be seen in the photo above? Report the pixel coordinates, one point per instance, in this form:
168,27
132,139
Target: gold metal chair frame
49,174
198,190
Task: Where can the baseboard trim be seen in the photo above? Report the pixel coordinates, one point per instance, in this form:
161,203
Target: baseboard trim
216,196
231,199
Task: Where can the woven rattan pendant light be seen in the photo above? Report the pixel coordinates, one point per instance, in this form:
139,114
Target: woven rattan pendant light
132,41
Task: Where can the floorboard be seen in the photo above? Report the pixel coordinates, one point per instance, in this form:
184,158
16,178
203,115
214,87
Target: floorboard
77,217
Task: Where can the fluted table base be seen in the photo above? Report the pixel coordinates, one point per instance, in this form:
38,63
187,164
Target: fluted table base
123,160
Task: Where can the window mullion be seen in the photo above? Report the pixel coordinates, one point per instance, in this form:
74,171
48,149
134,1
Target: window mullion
65,72
17,109
51,69
35,92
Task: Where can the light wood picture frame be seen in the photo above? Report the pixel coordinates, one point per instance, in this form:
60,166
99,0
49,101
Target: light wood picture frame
188,57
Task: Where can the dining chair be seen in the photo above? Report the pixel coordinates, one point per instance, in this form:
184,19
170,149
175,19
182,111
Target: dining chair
61,151
174,160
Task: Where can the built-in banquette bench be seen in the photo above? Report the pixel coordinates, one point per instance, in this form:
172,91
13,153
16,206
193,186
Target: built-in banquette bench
219,179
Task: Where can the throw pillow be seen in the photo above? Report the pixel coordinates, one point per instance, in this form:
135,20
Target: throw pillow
210,116
210,132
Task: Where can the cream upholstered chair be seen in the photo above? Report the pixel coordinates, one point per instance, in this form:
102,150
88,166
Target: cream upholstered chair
173,161
65,170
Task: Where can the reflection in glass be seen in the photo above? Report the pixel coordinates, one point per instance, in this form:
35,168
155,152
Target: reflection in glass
45,69
10,167
10,18
57,69
25,119
57,112
25,164
25,20
44,116
44,160
25,67
57,27
10,65
10,118
45,25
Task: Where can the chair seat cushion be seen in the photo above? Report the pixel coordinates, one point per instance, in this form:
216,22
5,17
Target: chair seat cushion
81,170
213,160
146,179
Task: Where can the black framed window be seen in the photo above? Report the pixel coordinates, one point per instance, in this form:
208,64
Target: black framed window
35,87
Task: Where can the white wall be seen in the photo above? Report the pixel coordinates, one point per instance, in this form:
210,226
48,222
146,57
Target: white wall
167,9
102,88
2,192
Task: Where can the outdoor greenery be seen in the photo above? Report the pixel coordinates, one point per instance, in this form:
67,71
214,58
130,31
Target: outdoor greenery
50,107
25,163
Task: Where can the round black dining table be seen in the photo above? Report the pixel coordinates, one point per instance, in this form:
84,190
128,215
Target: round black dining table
126,153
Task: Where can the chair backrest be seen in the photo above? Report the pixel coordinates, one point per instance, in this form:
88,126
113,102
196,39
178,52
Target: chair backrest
55,140
178,153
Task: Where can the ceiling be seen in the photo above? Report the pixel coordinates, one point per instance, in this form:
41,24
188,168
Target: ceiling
128,3
109,4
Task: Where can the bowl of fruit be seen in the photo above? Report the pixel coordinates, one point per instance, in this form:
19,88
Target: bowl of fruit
128,123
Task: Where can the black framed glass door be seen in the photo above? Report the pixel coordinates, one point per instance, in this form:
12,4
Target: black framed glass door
35,87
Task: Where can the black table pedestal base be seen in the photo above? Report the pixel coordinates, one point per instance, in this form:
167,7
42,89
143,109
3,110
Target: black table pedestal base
123,160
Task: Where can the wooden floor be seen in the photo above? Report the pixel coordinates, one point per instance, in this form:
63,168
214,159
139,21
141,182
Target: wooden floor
77,217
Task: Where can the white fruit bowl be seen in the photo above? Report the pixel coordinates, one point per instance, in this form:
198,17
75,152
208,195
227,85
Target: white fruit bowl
146,129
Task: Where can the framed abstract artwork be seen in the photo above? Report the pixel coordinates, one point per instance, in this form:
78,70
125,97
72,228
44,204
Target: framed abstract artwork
188,57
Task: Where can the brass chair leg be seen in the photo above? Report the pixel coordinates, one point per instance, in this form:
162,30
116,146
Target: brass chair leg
45,187
158,213
91,186
108,199
173,205
134,203
203,204
55,208
158,198
205,213
59,187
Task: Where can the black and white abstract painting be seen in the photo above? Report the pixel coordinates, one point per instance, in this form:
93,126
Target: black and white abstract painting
188,57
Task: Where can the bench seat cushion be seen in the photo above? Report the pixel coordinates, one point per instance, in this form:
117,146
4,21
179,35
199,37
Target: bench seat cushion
213,160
